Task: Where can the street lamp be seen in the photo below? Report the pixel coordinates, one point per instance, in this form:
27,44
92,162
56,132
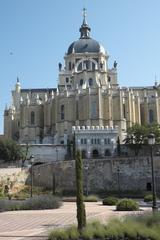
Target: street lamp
151,142
32,161
86,167
53,183
118,181
56,153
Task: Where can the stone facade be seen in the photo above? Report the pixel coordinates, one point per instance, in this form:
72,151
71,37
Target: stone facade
101,175
88,94
96,141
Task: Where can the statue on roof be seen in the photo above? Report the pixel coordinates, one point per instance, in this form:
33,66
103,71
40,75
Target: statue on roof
115,64
60,66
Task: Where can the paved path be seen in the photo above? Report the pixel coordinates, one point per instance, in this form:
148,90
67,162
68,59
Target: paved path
29,225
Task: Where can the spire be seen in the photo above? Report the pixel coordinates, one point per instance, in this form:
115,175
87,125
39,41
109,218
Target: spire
84,29
84,16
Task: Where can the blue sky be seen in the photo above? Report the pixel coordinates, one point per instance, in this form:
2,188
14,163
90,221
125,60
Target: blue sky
38,33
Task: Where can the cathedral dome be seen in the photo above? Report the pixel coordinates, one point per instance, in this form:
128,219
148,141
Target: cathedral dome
85,43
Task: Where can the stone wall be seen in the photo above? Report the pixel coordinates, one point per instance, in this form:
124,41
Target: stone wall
45,152
13,177
126,174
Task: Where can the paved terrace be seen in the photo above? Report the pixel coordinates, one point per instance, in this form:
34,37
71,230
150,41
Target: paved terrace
29,225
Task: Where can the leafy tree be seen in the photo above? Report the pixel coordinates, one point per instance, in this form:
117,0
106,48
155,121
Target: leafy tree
81,214
155,129
25,154
138,135
10,150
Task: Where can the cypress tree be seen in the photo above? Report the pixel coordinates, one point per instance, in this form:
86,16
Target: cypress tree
74,146
81,214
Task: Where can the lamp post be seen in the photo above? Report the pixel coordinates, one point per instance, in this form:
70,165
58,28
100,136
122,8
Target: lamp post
53,184
151,142
32,161
86,166
56,153
118,181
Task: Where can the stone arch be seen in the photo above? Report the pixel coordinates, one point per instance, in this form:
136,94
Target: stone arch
90,64
95,153
107,152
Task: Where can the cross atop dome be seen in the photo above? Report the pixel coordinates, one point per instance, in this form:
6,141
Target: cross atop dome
84,29
84,15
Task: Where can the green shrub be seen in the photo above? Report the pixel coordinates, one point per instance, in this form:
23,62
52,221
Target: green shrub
127,205
110,201
148,198
64,234
35,203
115,229
129,228
60,234
149,220
93,230
91,198
42,202
73,232
1,193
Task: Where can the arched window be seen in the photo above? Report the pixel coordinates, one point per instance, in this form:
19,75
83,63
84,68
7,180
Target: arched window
32,118
151,116
93,66
62,112
107,152
80,67
94,110
90,81
95,153
81,82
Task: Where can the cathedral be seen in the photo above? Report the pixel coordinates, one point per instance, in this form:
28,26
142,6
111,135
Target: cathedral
88,97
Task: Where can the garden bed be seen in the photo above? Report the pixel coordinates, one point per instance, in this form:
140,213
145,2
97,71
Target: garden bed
145,227
35,203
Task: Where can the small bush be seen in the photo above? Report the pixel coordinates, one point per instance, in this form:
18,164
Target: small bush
127,205
1,194
110,201
59,234
42,202
35,203
129,228
91,198
148,198
64,234
149,220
